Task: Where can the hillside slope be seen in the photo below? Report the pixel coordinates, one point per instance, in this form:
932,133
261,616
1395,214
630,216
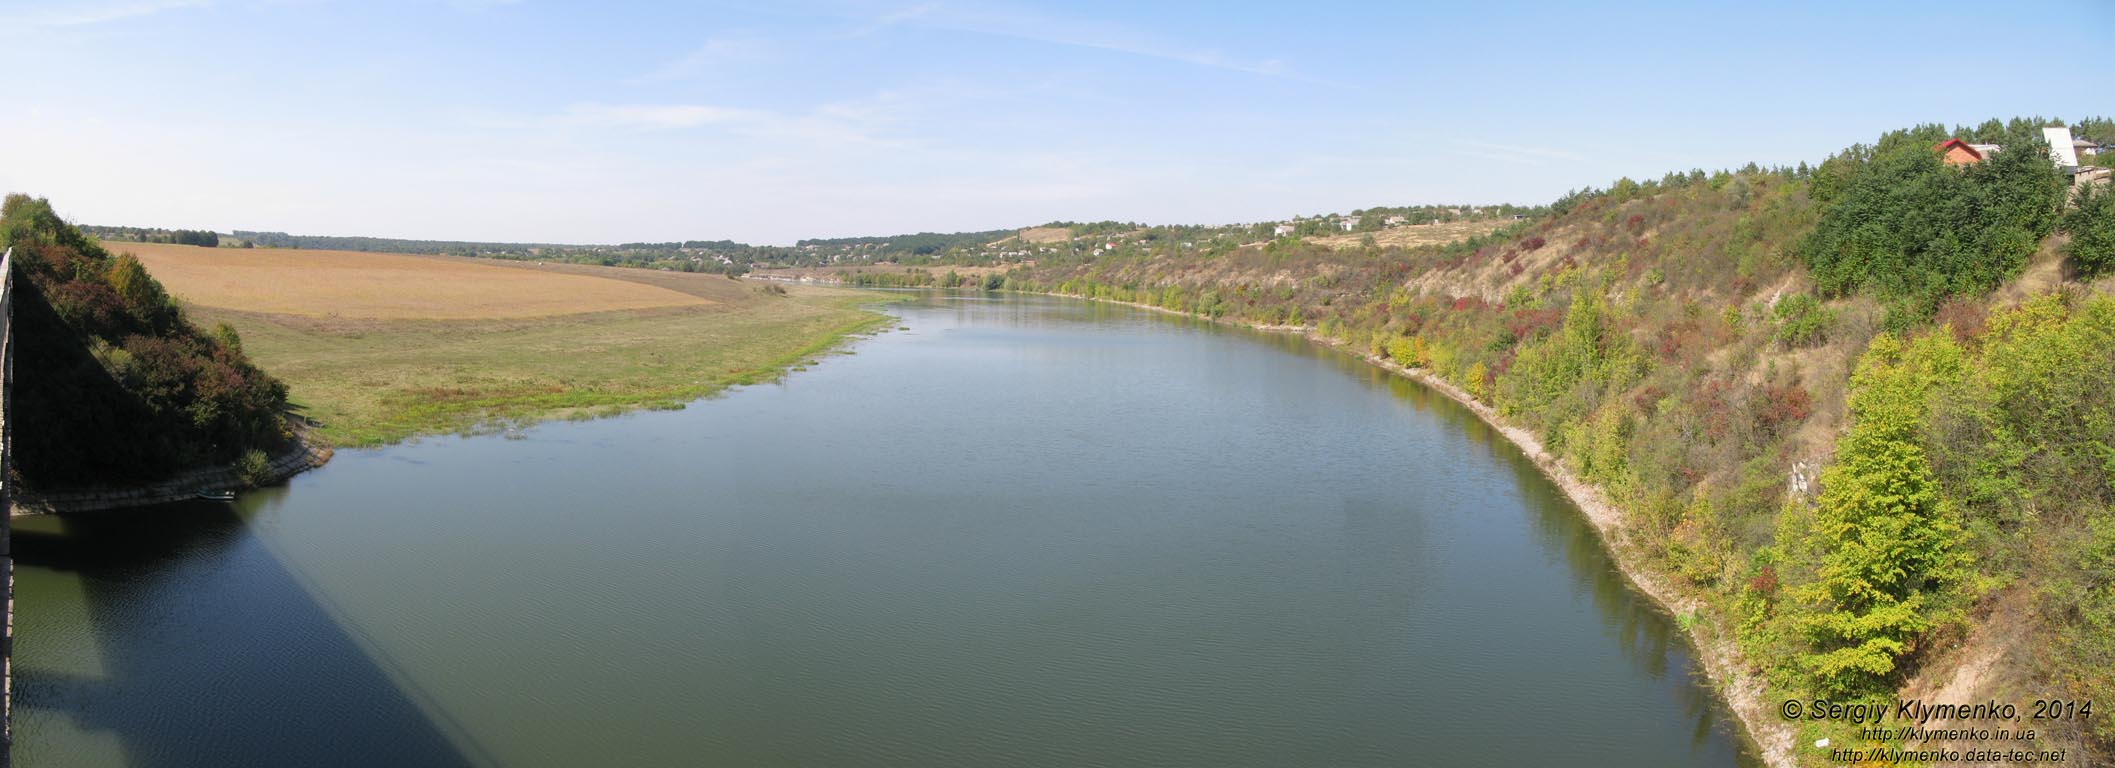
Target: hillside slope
1895,480
112,384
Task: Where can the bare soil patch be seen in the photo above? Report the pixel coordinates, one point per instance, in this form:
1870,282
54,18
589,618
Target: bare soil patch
1045,235
1414,235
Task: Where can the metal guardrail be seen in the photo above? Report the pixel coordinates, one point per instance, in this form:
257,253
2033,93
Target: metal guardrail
7,528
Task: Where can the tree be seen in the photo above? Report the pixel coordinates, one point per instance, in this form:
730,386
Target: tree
1888,553
144,298
228,338
1905,225
2092,228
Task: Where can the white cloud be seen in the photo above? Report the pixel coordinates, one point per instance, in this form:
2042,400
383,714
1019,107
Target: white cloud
828,127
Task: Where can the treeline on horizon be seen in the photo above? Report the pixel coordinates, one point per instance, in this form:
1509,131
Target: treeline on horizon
1805,387
920,244
199,237
112,384
684,256
979,248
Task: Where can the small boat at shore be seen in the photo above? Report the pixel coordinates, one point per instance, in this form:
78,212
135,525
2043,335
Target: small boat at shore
217,495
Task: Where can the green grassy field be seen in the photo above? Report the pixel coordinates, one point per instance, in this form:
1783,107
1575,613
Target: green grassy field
375,382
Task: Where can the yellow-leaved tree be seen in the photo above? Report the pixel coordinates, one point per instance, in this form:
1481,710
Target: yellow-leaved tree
1887,552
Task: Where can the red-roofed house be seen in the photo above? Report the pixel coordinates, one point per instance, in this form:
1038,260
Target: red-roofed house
1958,152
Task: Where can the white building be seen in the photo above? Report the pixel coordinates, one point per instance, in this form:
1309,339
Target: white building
2060,147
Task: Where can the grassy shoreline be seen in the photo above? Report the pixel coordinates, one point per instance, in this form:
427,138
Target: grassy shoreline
373,383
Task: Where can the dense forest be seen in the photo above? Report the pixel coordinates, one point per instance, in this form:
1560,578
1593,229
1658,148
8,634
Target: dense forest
1863,412
111,383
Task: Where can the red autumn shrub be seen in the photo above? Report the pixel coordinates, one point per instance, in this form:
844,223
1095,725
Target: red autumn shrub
1781,405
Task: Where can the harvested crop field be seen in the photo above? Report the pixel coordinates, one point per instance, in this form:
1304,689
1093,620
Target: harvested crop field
387,286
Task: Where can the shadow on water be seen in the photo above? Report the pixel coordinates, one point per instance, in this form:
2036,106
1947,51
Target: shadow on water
316,698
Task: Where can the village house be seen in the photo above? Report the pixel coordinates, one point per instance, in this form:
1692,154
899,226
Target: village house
2061,149
1958,152
1281,230
1348,223
2065,151
1395,221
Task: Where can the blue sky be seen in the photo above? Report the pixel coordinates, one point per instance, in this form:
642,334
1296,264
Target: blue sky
604,122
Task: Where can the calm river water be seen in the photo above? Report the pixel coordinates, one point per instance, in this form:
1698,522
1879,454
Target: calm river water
1023,531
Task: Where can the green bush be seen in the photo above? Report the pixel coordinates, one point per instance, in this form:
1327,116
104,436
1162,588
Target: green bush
1802,320
2092,229
254,468
2084,617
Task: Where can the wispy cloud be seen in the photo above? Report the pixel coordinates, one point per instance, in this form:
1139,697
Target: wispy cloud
891,19
715,52
661,115
828,126
1026,25
1510,153
83,14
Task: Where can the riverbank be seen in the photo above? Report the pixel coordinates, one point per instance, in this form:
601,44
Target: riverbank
310,450
1724,665
376,383
392,347
303,453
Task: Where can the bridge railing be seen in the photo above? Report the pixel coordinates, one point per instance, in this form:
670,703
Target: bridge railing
7,552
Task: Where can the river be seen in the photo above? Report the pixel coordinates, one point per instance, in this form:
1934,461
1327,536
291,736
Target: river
1016,531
